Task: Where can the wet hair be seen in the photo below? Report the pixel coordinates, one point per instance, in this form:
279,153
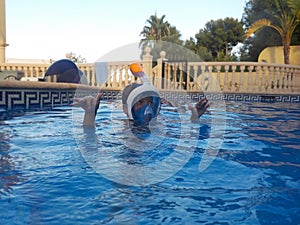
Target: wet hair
127,90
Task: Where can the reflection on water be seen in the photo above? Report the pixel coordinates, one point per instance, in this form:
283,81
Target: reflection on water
253,180
9,176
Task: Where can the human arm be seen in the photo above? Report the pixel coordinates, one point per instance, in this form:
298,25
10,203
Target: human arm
90,105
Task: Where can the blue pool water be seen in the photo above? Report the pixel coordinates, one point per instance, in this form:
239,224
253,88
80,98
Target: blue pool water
46,177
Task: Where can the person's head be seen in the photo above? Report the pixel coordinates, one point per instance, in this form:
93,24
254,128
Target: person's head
141,103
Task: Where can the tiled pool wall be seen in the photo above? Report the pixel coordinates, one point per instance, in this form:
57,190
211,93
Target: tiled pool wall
14,99
292,98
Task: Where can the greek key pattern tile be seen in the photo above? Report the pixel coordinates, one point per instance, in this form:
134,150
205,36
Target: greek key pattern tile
38,99
182,96
34,99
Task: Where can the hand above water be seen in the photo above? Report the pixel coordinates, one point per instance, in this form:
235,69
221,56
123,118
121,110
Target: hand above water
199,109
88,103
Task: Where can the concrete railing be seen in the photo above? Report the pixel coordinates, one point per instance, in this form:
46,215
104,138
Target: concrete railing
29,70
239,77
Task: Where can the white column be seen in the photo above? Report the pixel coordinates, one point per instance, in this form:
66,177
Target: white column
3,43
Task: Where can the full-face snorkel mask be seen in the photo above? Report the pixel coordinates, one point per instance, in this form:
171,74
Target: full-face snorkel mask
143,102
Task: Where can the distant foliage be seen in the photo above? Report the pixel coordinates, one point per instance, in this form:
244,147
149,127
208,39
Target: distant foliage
219,37
156,31
256,10
76,59
214,42
217,40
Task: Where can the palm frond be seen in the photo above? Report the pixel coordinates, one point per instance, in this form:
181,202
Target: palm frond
257,25
294,5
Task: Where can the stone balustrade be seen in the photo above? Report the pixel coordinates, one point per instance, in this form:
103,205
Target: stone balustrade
29,70
238,77
232,77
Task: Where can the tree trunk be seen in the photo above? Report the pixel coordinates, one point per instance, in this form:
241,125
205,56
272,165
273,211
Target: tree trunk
286,53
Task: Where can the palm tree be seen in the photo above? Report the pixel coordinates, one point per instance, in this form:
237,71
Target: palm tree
286,19
156,29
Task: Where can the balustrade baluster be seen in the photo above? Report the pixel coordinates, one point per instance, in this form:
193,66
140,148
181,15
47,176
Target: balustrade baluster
233,78
226,79
117,72
275,80
36,72
126,81
109,76
159,68
250,78
114,77
281,78
242,78
220,80
22,68
256,75
204,77
174,75
288,79
269,79
197,86
296,80
262,78
41,72
285,79
181,77
30,69
120,76
174,68
292,79
91,79
209,78
94,78
166,79
188,80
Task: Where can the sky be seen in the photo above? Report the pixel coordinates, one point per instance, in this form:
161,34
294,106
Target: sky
48,29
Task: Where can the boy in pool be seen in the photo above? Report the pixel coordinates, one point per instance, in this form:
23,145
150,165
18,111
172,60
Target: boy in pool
141,102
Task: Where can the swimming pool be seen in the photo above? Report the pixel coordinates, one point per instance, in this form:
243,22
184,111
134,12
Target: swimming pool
47,178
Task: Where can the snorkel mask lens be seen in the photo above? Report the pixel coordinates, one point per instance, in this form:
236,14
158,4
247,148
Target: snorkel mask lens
148,109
